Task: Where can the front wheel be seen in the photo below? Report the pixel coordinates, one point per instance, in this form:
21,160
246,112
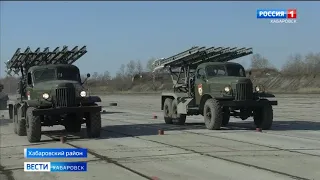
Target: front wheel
213,114
33,124
93,123
263,117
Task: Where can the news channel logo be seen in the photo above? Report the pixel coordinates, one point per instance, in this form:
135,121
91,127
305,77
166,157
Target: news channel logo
65,153
280,16
55,166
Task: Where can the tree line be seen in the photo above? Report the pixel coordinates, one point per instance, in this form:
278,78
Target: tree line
295,65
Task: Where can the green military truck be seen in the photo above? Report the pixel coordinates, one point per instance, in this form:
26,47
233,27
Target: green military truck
51,93
206,83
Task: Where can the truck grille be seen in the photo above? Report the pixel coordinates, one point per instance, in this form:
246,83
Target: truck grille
65,97
244,91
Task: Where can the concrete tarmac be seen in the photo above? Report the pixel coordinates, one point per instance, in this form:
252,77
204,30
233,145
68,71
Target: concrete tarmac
130,147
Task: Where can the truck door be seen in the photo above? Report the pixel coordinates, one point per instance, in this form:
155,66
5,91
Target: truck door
29,89
200,84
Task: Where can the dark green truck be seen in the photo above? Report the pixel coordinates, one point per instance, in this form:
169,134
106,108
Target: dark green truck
51,93
206,83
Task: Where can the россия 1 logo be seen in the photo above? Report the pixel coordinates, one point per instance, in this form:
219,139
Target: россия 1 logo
278,16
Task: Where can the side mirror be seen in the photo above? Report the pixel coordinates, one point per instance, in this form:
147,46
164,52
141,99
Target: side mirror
88,75
250,73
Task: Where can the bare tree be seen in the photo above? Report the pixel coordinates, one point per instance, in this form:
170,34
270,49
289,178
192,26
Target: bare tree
294,65
149,66
312,62
139,67
259,62
121,72
106,76
95,75
131,68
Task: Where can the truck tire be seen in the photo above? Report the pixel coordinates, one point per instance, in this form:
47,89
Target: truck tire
21,123
178,119
213,114
167,111
263,117
33,126
226,116
93,123
72,123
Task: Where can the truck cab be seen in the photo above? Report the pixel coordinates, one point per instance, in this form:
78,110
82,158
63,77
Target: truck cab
220,80
59,85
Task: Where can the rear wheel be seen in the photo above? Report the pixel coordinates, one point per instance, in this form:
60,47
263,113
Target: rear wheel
33,124
178,119
213,114
263,117
93,123
20,123
167,111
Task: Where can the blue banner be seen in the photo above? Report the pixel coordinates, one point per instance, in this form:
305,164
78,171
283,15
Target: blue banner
68,166
271,14
55,166
55,153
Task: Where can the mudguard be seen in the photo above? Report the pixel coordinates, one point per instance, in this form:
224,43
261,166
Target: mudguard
91,99
36,102
265,95
183,103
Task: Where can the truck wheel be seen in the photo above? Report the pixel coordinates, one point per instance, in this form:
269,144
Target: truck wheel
178,119
72,123
225,116
93,123
213,114
167,111
33,126
263,117
21,123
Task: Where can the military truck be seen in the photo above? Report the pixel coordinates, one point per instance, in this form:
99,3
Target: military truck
3,98
207,84
51,93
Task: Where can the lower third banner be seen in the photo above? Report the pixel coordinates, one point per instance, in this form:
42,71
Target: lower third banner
55,166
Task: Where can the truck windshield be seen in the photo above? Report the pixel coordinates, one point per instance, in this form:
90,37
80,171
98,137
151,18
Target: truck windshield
216,70
235,70
68,74
44,75
225,70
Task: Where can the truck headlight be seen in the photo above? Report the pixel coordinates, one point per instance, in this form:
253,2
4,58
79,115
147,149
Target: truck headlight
227,89
83,94
259,88
45,95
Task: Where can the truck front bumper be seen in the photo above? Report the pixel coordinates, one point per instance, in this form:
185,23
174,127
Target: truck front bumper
249,103
65,110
